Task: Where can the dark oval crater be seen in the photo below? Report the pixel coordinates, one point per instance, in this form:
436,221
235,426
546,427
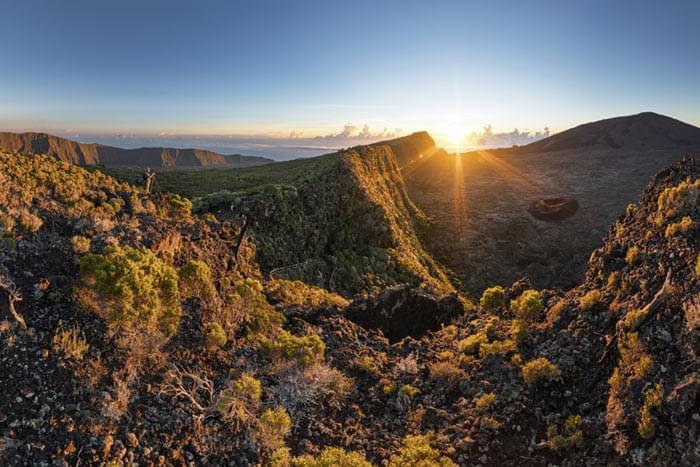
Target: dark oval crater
553,209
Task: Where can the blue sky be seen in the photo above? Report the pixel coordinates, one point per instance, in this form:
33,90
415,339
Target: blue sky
270,68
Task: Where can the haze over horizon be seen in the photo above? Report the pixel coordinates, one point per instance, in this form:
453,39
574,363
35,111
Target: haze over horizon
298,79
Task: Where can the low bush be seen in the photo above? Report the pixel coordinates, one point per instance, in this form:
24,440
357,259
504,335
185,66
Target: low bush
80,244
527,306
632,256
303,350
470,345
485,401
416,451
180,205
570,437
683,226
653,398
678,200
306,392
589,300
409,391
132,287
500,347
492,298
215,335
367,364
298,293
70,342
539,370
240,401
262,319
332,457
272,428
518,331
196,280
446,371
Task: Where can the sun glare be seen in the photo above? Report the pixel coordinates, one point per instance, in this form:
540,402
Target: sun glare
453,138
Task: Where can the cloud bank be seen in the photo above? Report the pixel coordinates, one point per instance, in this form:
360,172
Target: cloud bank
488,139
296,144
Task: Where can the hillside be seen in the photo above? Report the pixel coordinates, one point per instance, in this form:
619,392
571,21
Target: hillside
482,202
152,338
97,154
646,130
347,225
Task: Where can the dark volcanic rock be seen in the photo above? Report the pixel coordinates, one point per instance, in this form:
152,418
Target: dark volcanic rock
401,311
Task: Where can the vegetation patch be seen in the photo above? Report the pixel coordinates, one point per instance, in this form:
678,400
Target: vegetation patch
538,370
132,287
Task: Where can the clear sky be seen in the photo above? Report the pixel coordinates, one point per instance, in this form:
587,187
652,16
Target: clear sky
272,68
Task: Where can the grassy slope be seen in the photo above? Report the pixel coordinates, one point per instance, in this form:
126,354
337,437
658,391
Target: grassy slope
195,183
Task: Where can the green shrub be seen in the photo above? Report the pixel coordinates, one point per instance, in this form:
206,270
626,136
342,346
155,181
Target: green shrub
683,226
216,335
332,457
70,342
501,347
653,398
632,255
133,287
262,319
409,391
570,437
634,364
298,293
538,370
485,401
633,319
303,350
180,205
417,452
678,200
80,244
470,345
195,280
528,305
273,426
30,221
518,331
492,298
239,402
367,364
589,300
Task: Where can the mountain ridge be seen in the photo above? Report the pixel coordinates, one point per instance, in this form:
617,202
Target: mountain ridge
112,156
639,131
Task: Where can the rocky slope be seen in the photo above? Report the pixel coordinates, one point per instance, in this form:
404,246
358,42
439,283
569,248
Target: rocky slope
97,154
151,338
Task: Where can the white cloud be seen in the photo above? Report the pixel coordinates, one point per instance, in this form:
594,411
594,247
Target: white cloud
487,138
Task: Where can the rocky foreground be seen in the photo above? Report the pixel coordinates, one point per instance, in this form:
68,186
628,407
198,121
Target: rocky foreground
136,333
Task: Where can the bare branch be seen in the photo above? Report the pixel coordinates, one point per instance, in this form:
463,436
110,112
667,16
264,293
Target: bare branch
13,296
197,389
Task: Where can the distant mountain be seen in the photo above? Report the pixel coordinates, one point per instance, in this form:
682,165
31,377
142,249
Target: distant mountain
647,130
110,156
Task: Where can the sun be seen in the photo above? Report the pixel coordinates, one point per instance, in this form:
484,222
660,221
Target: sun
454,136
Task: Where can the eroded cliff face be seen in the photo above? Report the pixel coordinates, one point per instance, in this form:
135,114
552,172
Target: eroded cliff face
350,228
